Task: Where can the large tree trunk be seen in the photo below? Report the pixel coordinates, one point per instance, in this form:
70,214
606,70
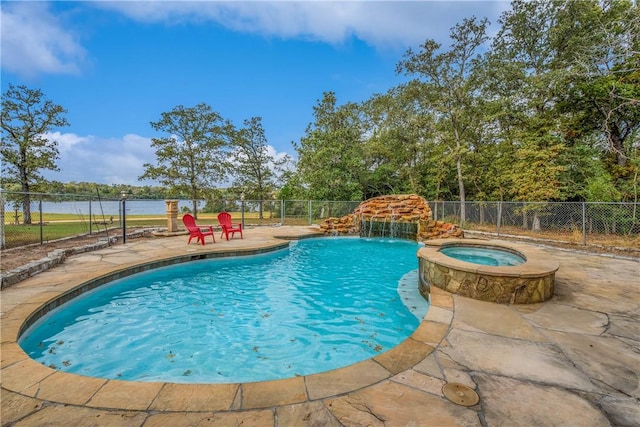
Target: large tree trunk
535,226
195,208
463,211
26,209
617,146
2,239
26,201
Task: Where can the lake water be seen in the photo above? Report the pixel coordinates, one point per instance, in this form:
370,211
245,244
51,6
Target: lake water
104,207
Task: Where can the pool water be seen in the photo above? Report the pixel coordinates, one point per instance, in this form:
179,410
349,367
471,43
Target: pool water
483,256
321,304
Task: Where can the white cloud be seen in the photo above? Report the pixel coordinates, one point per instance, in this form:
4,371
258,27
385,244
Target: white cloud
101,160
383,24
66,141
107,160
271,151
34,41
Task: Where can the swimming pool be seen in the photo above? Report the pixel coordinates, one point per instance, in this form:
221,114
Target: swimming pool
322,304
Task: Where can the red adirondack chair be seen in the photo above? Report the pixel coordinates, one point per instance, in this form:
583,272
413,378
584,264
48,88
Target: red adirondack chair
224,218
197,231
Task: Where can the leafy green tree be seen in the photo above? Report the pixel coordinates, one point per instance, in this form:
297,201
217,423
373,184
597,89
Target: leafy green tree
601,189
397,151
290,184
27,117
192,158
449,77
603,89
562,73
255,168
330,155
601,93
488,161
528,66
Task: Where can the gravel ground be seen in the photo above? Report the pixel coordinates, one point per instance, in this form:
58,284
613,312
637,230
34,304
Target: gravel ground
16,257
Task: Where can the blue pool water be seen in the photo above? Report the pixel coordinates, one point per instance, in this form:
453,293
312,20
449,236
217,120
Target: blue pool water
319,305
483,256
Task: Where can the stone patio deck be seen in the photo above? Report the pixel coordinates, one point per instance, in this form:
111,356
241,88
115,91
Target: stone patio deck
574,360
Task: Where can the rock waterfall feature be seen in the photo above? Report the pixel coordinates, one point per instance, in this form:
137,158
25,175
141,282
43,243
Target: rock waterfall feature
403,216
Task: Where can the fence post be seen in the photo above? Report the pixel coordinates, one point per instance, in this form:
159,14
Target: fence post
123,196
40,211
584,224
90,219
499,217
242,209
3,242
282,212
310,219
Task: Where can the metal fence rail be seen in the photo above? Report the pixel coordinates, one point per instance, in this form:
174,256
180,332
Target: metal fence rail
576,222
54,216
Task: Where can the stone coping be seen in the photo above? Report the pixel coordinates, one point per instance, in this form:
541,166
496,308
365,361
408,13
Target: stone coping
26,377
537,262
57,257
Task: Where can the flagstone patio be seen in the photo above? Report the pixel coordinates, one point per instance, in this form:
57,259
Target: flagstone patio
573,360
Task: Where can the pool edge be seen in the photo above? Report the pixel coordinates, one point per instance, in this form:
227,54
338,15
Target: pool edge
25,376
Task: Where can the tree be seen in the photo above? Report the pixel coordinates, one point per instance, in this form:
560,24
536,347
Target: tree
330,157
564,77
449,75
397,152
255,168
603,89
601,93
27,117
529,54
191,160
290,184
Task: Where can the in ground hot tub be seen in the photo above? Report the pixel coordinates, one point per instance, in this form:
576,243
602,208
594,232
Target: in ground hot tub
477,269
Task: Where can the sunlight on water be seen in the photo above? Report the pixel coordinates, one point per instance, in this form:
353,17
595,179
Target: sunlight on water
321,304
483,256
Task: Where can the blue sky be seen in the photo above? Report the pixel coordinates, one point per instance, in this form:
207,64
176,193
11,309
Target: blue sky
116,66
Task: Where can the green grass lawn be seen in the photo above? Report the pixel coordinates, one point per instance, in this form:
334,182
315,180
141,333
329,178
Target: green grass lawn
57,226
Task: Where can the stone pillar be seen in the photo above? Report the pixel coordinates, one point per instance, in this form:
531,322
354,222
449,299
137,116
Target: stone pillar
172,216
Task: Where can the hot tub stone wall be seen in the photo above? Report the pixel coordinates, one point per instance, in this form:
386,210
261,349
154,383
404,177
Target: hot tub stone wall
392,209
504,290
527,283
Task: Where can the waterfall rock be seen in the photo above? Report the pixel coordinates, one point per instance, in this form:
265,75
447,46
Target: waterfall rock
399,215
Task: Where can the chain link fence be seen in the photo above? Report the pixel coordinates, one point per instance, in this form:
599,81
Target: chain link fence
56,216
608,224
